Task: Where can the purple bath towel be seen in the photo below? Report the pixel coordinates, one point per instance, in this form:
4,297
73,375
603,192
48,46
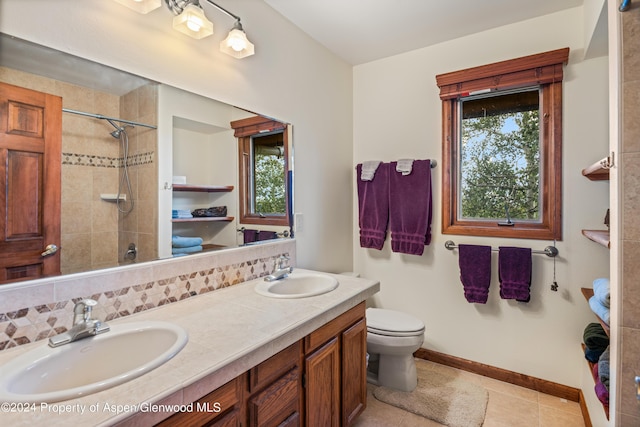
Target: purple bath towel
475,271
266,235
514,269
410,208
373,207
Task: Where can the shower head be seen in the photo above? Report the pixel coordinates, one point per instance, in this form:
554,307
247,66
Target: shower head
119,129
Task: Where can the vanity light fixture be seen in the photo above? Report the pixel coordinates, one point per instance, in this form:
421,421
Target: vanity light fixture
191,20
236,44
141,6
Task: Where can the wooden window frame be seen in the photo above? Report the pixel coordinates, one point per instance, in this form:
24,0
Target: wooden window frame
544,70
244,129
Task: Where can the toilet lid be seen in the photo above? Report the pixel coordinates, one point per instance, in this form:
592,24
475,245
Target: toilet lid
390,322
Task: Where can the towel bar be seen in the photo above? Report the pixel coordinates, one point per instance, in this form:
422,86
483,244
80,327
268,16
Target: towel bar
284,233
550,251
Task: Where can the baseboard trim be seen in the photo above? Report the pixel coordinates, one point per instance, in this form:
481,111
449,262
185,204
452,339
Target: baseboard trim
585,411
537,384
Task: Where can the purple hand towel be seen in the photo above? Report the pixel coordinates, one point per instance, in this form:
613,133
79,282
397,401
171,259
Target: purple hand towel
475,271
410,208
373,207
514,269
250,235
266,235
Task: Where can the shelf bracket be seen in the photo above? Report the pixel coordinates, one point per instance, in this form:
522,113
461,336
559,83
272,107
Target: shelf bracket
608,162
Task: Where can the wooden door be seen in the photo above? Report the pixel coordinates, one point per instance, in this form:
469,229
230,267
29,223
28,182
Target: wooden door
354,372
30,166
322,373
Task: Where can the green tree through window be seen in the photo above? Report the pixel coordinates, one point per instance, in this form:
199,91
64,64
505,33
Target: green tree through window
269,183
500,158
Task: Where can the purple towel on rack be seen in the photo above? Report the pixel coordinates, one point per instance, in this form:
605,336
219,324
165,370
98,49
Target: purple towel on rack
514,269
373,207
250,235
266,235
475,271
410,208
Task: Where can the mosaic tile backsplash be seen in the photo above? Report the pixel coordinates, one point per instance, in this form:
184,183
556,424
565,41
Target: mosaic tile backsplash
42,321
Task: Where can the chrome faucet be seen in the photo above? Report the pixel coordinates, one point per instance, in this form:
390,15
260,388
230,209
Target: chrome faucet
280,272
83,325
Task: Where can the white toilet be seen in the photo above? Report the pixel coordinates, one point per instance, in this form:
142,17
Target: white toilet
392,338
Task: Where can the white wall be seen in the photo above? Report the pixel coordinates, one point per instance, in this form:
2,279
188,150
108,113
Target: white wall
290,77
397,114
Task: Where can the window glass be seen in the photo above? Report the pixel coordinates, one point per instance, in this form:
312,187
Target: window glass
500,157
268,181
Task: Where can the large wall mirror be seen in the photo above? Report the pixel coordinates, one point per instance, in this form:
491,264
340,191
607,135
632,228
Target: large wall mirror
147,171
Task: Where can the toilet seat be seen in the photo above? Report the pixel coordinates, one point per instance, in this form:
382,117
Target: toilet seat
393,323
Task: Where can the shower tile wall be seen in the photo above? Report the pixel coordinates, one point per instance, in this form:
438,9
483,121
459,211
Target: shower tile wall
91,161
140,225
628,411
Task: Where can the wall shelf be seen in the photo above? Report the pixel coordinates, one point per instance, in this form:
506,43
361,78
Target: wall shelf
588,293
591,364
204,219
599,171
599,236
203,188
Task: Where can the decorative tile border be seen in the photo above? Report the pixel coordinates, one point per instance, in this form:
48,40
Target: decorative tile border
77,159
40,322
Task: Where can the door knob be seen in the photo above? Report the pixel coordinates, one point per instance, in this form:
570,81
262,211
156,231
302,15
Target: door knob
50,250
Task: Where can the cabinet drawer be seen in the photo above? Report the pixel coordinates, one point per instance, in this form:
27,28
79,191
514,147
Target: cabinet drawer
276,404
333,328
209,407
274,367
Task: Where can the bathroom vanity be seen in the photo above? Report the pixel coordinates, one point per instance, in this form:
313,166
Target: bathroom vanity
320,379
250,360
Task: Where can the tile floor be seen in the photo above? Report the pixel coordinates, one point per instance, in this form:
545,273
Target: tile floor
509,406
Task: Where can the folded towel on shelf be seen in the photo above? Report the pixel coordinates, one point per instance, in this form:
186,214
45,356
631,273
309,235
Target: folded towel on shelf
514,270
599,309
410,208
592,355
373,207
601,291
603,368
369,169
185,242
405,166
181,213
475,272
595,337
187,250
602,393
213,211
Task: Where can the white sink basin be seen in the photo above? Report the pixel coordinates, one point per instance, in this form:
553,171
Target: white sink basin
298,285
128,351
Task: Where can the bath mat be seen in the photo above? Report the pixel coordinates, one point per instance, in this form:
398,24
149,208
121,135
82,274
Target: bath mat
440,396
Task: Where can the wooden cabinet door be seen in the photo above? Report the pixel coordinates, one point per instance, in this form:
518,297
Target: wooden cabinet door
277,404
322,371
30,166
354,372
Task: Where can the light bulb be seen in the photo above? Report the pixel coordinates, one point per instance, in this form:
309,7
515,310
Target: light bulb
236,42
194,23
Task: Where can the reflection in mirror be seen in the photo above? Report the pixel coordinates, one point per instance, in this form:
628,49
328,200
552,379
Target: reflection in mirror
188,164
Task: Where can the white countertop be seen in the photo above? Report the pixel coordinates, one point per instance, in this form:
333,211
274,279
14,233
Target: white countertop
230,331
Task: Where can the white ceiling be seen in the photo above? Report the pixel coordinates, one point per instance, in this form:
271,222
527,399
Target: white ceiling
360,31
